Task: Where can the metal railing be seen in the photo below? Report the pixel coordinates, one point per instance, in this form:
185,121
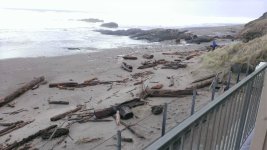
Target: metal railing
224,124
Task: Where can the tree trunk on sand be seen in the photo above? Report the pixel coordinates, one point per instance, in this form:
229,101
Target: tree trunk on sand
29,138
166,93
20,91
63,115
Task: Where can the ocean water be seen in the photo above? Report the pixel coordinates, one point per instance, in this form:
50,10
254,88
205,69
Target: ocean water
35,33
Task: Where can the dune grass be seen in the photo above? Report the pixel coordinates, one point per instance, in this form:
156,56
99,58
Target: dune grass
253,52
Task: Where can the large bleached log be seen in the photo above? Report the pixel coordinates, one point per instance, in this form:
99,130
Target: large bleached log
20,91
166,93
29,138
63,115
201,84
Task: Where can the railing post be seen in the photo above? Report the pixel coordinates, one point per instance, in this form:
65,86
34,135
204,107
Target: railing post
214,84
228,81
164,119
238,75
193,102
243,115
118,140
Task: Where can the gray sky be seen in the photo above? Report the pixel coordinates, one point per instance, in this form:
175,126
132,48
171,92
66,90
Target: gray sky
225,8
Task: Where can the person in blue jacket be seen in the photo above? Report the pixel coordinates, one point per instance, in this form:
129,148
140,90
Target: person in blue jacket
213,45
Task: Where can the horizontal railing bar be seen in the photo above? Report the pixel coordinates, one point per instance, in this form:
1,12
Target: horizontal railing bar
176,131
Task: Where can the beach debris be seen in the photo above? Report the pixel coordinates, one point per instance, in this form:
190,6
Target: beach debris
63,115
125,112
14,127
63,84
87,140
192,55
147,66
124,139
131,129
148,56
129,57
174,65
165,93
57,133
29,138
58,102
107,112
20,91
16,112
171,81
91,82
141,74
126,67
104,113
157,109
158,86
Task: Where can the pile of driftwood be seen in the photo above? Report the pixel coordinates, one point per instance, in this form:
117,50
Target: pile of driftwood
185,55
91,82
151,64
13,126
173,65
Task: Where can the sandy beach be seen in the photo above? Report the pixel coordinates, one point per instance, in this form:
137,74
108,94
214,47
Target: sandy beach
105,65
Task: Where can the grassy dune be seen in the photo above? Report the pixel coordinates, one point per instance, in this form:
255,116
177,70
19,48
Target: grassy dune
253,51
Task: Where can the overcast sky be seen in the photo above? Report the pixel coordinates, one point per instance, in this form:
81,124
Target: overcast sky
226,8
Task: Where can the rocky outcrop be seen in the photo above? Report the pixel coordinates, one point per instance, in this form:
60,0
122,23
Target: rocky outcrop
254,29
158,35
110,25
92,20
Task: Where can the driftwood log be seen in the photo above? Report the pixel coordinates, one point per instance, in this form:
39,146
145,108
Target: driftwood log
129,57
174,65
63,84
166,93
201,84
110,111
58,102
10,123
14,127
29,138
63,115
20,91
58,133
147,66
125,112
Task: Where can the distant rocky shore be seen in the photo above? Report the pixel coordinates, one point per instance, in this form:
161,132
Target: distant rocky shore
161,34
